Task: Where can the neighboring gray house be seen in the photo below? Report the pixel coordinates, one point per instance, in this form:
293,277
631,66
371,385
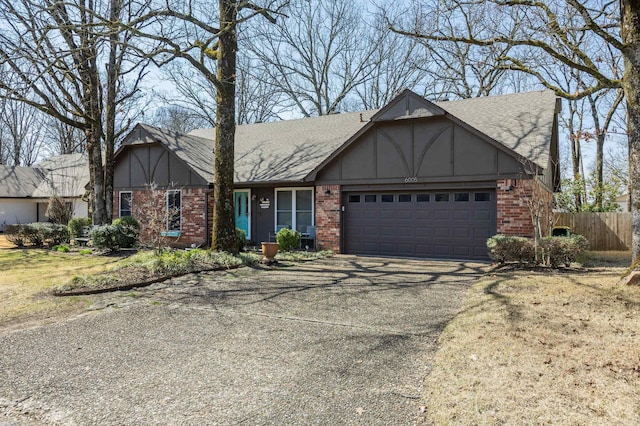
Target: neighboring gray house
414,178
25,191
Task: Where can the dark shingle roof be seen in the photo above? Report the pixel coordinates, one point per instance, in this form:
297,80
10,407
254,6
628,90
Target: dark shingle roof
289,150
195,151
522,122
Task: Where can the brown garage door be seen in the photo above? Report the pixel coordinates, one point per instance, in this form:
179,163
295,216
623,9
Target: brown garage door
434,224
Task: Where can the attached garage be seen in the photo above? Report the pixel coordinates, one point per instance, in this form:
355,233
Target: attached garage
435,181
435,224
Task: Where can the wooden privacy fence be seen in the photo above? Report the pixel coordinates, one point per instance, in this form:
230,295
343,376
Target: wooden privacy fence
605,231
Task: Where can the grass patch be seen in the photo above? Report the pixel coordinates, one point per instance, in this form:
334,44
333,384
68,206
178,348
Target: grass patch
29,274
537,347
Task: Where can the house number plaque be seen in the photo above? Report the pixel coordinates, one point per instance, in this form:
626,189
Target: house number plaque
265,203
412,179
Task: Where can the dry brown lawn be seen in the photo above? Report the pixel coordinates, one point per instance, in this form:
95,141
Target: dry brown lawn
542,347
4,243
26,277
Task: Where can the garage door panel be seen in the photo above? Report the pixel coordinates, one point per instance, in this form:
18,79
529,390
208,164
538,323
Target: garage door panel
368,214
447,229
442,250
462,251
480,215
402,214
481,233
387,247
442,214
442,232
405,232
462,215
461,232
423,232
387,231
422,214
387,214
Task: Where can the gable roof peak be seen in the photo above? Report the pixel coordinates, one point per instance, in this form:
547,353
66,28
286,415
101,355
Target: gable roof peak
407,105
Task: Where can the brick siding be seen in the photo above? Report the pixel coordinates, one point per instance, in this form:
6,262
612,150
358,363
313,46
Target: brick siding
513,213
328,217
194,215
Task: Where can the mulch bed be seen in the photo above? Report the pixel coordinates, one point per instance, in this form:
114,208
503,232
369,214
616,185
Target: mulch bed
132,277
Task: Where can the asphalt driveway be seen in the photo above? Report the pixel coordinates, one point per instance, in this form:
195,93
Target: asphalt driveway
346,340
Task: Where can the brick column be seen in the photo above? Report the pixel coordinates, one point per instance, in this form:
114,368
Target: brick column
328,212
513,215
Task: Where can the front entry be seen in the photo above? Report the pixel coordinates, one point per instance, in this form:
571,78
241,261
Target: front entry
242,211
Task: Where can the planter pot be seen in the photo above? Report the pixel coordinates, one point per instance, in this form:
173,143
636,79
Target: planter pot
269,250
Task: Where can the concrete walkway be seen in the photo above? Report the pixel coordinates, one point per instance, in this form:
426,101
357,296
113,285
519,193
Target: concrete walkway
346,340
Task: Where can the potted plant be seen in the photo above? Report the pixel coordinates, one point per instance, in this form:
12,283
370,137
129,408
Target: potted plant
269,251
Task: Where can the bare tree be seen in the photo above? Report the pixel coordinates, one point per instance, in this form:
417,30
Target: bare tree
318,56
23,129
178,119
463,70
256,100
397,63
63,138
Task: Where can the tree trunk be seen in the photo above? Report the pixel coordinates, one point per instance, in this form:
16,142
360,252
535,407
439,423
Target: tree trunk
110,107
576,158
224,232
98,212
600,137
630,31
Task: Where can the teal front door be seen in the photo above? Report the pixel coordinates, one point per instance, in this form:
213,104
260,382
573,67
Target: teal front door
241,205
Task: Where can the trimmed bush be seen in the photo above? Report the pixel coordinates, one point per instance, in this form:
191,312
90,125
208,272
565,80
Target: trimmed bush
558,251
129,231
37,234
76,225
32,236
55,234
505,248
241,237
106,237
288,239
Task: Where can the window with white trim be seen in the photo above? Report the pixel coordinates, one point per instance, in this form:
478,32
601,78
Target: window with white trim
174,210
125,205
294,209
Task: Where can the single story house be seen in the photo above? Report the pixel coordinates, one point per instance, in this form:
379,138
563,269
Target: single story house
415,178
25,191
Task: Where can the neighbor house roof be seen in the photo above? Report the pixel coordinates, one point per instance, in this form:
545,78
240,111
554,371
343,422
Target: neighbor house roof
19,182
290,150
66,176
63,175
